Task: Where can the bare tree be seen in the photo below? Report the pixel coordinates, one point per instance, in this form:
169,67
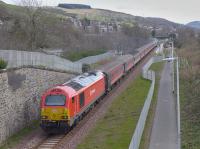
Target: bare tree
33,13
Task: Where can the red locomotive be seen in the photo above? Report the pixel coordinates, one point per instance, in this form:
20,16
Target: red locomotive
64,105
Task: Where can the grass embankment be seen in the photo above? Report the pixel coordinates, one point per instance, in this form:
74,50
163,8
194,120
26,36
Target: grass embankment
15,139
3,64
116,128
102,62
77,55
190,124
189,104
157,67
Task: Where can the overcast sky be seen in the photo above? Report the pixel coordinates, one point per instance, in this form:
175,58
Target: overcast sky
180,11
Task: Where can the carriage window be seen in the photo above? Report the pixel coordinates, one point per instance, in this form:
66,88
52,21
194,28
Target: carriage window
81,100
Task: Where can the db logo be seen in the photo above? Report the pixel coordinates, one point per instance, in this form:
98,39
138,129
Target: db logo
54,110
92,92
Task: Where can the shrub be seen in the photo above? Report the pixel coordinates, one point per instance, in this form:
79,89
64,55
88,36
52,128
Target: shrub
77,55
3,64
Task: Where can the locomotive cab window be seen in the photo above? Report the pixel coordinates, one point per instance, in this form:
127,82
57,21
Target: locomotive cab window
55,100
81,100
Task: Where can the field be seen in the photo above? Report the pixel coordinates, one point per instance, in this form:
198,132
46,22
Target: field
116,128
157,67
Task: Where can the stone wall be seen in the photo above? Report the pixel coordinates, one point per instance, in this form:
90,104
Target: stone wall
20,92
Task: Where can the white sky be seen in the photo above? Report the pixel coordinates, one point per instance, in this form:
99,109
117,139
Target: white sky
180,11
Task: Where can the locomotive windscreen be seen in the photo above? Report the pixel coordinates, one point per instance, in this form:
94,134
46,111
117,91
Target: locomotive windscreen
55,100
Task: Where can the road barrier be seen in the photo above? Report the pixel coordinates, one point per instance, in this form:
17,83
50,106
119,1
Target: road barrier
150,75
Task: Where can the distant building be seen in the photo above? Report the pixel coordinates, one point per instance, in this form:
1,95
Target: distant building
77,23
110,28
103,29
94,26
1,22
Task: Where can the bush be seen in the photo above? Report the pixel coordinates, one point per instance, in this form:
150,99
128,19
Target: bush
3,64
77,55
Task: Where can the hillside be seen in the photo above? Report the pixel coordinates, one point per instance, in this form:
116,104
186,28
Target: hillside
103,15
109,16
86,11
36,28
194,24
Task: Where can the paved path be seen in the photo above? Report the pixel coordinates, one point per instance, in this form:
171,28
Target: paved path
164,131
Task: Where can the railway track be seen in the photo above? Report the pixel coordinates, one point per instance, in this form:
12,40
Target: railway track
67,140
50,142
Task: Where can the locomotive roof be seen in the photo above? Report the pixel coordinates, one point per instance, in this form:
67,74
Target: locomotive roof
84,80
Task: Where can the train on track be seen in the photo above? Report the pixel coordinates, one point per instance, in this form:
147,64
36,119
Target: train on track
63,106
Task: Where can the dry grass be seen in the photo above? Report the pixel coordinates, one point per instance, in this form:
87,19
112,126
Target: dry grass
190,95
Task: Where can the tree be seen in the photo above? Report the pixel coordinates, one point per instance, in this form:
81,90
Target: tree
33,13
85,22
3,13
153,33
172,36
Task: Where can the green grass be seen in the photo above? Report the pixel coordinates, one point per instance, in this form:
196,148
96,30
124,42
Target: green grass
3,64
116,128
157,67
102,62
77,55
144,144
15,139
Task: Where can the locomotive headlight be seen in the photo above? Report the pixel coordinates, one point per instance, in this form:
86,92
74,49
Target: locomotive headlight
44,117
65,112
64,117
42,111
